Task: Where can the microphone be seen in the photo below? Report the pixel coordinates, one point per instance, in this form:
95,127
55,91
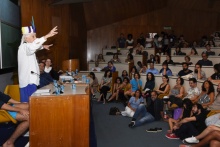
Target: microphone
32,72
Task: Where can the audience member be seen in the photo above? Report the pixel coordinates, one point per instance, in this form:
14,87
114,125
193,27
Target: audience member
216,104
94,85
100,58
193,52
193,92
49,69
205,61
157,59
149,85
20,112
178,51
207,95
126,86
96,68
129,58
166,43
110,67
208,50
116,90
105,85
139,66
153,111
124,74
168,60
141,39
45,78
121,41
133,104
165,70
132,72
136,83
143,70
139,49
152,59
216,76
115,59
198,73
187,60
152,69
164,88
186,112
130,41
185,70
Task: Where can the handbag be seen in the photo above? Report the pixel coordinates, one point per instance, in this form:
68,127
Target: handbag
113,110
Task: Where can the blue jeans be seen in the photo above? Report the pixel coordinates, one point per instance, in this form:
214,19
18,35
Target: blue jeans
145,116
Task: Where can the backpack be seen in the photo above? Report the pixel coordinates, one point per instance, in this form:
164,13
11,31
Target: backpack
113,110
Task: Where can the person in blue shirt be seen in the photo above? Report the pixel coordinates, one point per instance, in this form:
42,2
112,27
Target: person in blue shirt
152,69
165,70
110,67
45,78
136,83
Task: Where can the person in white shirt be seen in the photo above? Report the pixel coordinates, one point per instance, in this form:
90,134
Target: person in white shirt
193,92
28,69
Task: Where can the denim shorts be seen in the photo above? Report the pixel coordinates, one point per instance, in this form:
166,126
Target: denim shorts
13,113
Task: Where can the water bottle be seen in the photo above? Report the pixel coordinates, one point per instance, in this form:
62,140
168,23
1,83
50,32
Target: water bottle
87,80
76,71
73,73
74,87
62,88
57,90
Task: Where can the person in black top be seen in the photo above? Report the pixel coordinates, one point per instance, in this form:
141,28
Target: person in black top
168,60
153,111
185,70
205,61
208,50
149,85
18,111
45,78
216,76
192,126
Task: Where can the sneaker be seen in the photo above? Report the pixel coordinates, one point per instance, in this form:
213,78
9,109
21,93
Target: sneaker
152,130
191,140
132,124
159,129
172,136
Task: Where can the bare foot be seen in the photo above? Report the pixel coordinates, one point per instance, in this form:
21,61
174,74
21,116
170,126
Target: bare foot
8,144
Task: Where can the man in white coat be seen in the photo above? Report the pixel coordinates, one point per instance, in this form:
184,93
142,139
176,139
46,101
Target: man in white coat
28,69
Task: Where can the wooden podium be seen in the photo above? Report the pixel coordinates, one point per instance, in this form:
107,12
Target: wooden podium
60,120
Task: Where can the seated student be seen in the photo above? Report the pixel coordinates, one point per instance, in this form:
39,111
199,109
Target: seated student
165,70
177,93
116,90
193,52
105,85
213,125
152,59
168,60
49,69
143,70
94,85
186,112
205,61
198,73
133,103
190,126
149,85
96,68
136,83
157,59
178,51
100,58
115,59
132,72
126,86
130,58
45,78
18,111
152,69
216,104
193,92
124,74
207,95
187,60
153,111
208,50
110,67
164,88
139,49
216,76
185,70
139,66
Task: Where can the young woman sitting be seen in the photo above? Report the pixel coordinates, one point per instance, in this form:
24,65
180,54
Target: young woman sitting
164,88
117,88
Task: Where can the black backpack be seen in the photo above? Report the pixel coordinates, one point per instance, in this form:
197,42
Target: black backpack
113,110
